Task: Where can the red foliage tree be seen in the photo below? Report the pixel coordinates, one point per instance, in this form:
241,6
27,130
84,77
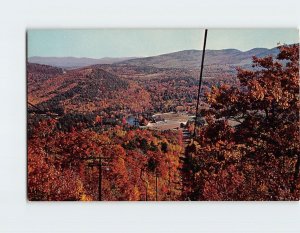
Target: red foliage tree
249,150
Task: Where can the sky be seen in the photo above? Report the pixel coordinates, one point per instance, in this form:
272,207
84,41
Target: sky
98,43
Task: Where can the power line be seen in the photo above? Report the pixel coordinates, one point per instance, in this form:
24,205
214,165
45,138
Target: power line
100,165
42,111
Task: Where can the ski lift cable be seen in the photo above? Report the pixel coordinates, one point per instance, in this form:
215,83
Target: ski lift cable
200,80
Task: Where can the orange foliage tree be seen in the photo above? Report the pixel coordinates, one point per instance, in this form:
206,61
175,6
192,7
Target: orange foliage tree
117,164
249,149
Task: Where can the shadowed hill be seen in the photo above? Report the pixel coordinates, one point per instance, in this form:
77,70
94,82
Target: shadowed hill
83,90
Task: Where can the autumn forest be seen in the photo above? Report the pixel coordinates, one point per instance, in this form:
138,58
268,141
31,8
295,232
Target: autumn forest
129,130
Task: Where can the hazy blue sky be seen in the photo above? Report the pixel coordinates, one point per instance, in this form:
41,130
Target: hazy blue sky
97,43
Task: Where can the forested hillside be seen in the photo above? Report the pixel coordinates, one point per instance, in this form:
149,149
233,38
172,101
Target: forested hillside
259,157
125,131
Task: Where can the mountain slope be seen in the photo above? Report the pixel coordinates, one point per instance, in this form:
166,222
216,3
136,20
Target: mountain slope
83,90
74,62
38,74
192,58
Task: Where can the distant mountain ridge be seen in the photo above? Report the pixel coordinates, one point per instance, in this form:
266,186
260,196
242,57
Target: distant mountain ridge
192,58
188,59
74,62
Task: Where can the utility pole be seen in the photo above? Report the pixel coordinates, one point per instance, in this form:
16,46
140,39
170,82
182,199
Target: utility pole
200,80
156,186
100,179
146,182
169,183
100,165
146,192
